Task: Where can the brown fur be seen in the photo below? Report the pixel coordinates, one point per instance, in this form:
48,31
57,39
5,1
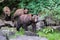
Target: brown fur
19,12
7,13
25,20
7,10
26,11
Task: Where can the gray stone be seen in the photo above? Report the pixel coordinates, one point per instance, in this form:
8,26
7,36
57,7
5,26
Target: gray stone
10,23
56,27
29,27
29,38
29,33
43,38
50,21
1,23
2,38
1,1
8,31
39,25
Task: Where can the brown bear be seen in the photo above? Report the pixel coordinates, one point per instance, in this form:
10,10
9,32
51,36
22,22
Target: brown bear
25,11
25,20
7,13
19,12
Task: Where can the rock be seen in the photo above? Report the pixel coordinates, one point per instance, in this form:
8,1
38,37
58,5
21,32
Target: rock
29,38
30,28
2,23
9,23
1,1
39,25
1,34
6,23
2,38
50,21
56,27
43,38
29,33
8,31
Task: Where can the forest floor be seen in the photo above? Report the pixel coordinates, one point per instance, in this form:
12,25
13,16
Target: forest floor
49,36
12,34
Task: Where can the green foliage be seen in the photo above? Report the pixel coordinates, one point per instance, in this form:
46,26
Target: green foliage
50,36
48,30
21,32
49,33
44,7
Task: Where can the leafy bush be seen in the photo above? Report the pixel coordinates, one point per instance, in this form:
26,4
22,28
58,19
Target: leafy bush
44,7
50,36
48,30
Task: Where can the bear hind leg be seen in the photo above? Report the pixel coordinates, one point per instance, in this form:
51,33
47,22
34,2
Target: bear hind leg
18,26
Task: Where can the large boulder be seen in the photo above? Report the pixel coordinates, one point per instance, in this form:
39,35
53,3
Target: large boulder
2,23
8,31
39,25
29,33
9,23
2,38
50,21
28,38
30,28
56,27
1,1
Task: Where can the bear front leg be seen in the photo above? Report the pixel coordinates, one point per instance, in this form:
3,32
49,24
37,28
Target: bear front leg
33,27
25,27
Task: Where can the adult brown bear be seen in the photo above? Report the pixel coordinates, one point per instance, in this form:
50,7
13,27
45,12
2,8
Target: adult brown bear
7,13
25,20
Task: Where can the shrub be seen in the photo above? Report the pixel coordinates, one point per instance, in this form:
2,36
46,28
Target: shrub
48,30
44,7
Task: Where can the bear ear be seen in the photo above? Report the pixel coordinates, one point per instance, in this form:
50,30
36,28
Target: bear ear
30,14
